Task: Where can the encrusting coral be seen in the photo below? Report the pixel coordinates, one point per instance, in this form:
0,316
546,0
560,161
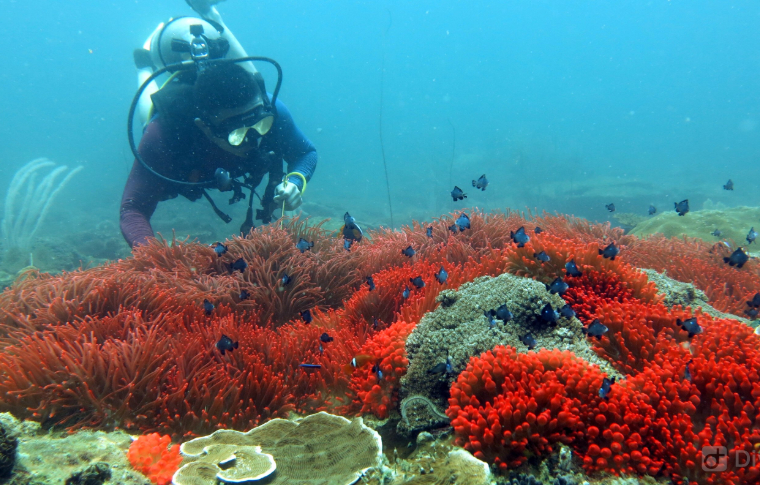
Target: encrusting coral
319,449
130,344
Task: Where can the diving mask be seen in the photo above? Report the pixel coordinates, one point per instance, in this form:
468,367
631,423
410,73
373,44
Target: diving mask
235,128
262,127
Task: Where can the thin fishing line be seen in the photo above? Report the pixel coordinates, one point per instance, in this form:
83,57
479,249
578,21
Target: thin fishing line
380,117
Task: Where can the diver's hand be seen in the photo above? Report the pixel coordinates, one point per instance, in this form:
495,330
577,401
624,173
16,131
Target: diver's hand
289,193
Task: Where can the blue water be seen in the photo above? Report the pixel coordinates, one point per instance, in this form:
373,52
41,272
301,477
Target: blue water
565,106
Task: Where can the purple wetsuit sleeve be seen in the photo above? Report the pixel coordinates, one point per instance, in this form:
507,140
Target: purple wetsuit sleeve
299,153
142,192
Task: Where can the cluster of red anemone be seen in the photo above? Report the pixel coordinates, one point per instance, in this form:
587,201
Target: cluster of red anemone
130,345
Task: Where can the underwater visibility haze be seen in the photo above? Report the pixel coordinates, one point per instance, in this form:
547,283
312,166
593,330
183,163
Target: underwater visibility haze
526,250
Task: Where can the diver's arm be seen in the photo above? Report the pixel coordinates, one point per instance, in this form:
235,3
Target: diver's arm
143,191
299,153
137,206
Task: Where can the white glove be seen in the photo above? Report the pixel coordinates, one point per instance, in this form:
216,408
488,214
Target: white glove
288,192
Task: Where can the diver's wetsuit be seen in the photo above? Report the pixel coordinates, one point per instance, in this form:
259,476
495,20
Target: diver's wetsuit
183,152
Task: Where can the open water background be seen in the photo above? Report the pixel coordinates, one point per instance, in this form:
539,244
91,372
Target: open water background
565,106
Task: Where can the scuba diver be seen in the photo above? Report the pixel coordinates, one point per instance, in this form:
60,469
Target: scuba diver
211,125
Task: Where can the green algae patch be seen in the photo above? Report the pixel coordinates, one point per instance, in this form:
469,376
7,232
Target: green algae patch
733,223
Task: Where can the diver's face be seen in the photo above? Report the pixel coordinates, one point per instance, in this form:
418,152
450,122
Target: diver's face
221,123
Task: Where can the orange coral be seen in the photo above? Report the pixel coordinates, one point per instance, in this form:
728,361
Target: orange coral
155,457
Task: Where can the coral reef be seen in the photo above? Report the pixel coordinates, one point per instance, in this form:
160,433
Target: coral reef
155,457
733,223
27,201
318,449
432,462
85,457
8,446
94,474
232,463
460,331
129,345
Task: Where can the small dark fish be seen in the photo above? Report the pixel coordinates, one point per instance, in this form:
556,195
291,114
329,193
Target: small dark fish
548,314
326,338
442,367
652,209
542,256
244,295
572,269
567,311
441,275
491,317
351,230
208,307
285,279
408,252
376,370
755,301
429,231
687,372
538,230
752,313
610,207
751,236
453,228
682,207
558,286
481,183
604,391
610,251
417,281
529,341
737,258
405,293
717,233
596,329
238,265
457,194
304,245
463,222
370,283
220,249
306,316
690,325
347,244
375,323
503,313
310,366
519,237
226,344
729,185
